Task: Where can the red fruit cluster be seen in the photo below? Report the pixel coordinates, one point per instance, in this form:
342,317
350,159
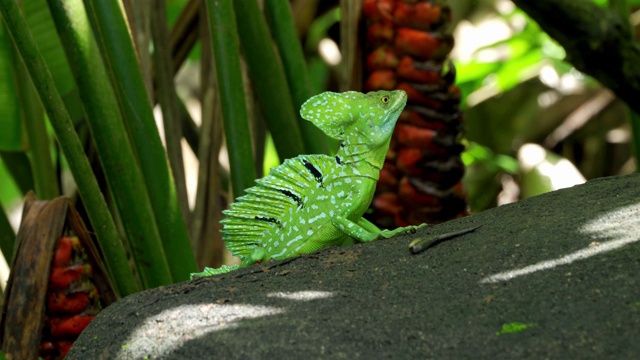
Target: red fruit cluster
72,299
407,49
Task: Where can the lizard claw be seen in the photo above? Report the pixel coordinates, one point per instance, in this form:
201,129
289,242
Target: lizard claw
408,230
414,228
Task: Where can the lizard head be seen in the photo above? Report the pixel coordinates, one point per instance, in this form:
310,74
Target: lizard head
365,119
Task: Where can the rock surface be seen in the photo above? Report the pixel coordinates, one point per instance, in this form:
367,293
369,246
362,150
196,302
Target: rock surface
555,276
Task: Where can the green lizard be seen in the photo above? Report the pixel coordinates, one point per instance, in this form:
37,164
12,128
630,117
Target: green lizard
313,201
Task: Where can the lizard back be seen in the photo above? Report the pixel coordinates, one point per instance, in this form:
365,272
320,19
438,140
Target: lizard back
287,212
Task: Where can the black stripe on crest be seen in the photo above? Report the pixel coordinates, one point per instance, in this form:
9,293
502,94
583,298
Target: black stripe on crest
313,170
269,219
292,196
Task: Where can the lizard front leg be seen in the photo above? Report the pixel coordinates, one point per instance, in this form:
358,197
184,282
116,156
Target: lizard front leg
365,231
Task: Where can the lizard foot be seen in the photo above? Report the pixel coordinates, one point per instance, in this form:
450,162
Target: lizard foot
401,230
211,271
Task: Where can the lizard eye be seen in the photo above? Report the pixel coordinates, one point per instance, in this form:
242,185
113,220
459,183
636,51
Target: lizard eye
385,99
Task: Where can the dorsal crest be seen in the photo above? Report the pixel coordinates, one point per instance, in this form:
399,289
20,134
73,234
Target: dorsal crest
263,209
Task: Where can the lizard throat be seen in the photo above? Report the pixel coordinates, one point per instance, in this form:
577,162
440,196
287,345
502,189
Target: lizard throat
368,160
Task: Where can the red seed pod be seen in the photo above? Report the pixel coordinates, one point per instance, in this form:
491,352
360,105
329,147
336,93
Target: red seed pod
414,118
381,80
425,12
452,203
410,195
407,70
62,277
427,137
377,10
431,144
387,203
382,58
69,326
416,42
422,15
416,97
407,160
65,250
71,303
414,136
380,33
413,162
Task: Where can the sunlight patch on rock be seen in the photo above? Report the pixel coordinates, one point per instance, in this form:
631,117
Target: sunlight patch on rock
611,225
161,334
302,295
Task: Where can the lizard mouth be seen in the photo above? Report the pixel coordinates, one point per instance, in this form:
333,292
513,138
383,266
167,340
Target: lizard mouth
395,109
401,101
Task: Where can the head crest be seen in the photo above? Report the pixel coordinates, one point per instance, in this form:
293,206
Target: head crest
330,112
369,116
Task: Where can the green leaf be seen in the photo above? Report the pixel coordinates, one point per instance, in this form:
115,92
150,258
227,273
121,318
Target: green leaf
514,327
119,56
516,71
38,17
226,46
474,70
268,79
479,153
45,178
88,188
10,123
10,193
284,32
107,127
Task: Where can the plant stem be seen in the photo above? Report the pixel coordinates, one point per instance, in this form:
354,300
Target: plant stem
168,100
268,79
278,13
224,38
124,72
44,175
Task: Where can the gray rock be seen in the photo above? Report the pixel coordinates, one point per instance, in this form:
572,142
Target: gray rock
555,276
